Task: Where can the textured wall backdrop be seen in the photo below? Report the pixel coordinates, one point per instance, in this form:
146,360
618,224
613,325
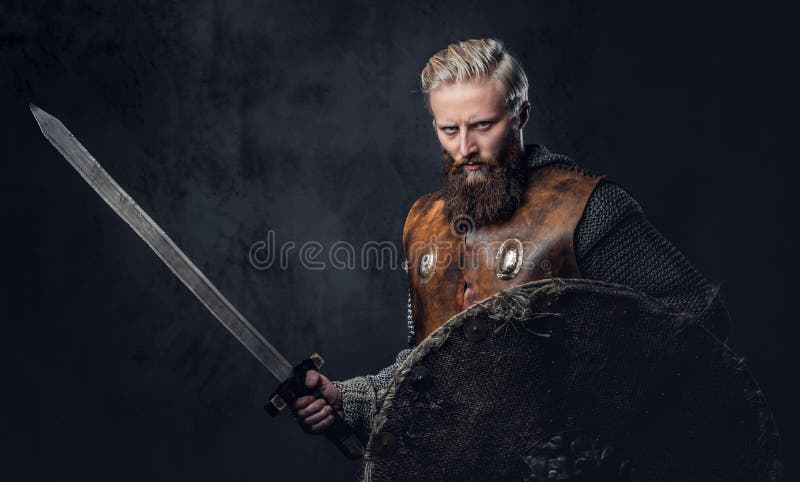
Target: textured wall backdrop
228,120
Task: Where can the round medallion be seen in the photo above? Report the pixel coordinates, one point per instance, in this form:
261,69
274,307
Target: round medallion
508,259
427,264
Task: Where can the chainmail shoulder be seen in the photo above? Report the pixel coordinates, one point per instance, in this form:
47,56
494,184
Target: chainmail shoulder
615,242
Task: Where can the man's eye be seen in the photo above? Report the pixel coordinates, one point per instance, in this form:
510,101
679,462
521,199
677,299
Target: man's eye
483,125
449,129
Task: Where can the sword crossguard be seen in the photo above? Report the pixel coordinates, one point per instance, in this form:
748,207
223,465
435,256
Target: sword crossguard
295,387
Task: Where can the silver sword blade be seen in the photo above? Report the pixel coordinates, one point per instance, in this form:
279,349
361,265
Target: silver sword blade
164,247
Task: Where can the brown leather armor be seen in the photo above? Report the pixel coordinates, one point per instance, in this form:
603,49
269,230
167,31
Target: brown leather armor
450,267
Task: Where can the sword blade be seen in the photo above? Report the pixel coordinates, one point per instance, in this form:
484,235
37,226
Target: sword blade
164,247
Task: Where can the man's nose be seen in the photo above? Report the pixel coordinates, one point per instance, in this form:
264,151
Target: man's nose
467,145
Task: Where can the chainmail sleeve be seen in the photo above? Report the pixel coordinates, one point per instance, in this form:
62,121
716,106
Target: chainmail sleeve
361,396
615,242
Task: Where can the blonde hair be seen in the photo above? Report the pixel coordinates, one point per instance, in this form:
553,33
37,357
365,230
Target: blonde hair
477,59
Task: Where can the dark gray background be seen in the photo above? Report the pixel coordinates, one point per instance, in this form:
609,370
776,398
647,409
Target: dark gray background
227,119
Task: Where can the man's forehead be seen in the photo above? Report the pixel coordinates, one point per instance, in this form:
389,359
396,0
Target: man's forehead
467,101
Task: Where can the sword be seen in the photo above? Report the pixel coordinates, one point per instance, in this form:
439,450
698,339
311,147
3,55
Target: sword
291,378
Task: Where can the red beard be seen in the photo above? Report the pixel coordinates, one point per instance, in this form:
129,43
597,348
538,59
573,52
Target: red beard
491,195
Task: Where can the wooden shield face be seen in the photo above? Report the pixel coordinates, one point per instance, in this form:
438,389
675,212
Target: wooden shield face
572,380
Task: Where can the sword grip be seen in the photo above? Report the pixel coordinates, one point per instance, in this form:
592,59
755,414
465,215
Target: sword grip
339,433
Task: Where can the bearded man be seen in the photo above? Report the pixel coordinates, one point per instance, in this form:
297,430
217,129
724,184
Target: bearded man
508,214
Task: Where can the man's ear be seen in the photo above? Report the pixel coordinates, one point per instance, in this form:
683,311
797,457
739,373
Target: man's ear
524,114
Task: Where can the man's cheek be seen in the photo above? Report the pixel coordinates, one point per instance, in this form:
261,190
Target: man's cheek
444,142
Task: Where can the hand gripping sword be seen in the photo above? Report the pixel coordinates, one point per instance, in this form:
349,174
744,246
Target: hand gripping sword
291,378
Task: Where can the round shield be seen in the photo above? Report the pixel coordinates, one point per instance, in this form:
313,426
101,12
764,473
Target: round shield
572,380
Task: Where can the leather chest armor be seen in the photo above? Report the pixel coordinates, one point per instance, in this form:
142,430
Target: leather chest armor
453,265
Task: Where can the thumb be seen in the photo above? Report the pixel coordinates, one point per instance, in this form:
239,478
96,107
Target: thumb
312,379
329,391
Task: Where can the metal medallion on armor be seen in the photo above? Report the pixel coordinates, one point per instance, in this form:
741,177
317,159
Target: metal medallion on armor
508,260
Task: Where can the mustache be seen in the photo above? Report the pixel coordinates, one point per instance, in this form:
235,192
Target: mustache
464,161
